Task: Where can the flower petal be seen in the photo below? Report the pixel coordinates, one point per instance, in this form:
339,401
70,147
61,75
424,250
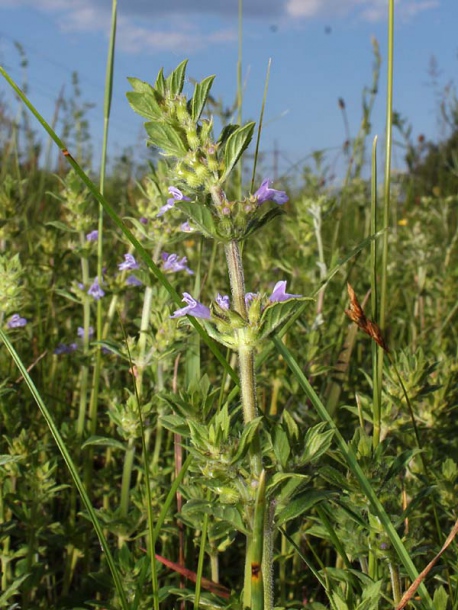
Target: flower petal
279,293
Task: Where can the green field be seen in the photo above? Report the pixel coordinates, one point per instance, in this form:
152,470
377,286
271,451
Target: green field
253,382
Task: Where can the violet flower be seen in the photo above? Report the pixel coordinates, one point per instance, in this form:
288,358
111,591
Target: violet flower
173,264
95,290
80,331
265,193
249,296
223,301
93,235
16,321
177,195
133,281
279,293
129,263
62,348
193,308
186,227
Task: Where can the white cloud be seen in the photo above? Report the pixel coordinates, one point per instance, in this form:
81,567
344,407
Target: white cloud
367,10
182,33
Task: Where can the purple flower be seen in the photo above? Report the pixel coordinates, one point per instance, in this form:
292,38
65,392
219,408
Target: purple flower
95,291
223,301
93,235
186,227
62,348
177,195
265,193
249,296
129,263
193,308
133,281
279,293
143,220
80,331
173,264
16,321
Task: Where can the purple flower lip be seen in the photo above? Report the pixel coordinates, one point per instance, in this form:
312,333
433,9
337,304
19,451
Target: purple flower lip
16,321
80,331
193,308
279,293
223,301
249,296
62,348
93,235
95,291
186,227
173,264
129,263
177,195
265,193
133,281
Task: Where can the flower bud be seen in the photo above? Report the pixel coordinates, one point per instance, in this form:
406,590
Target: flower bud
181,110
192,136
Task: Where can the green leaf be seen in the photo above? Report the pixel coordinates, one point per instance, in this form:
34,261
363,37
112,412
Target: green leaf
371,596
263,215
145,105
168,138
316,443
57,224
300,505
281,445
238,141
11,591
102,441
230,514
139,86
176,424
247,437
440,599
175,80
291,426
199,99
199,215
159,85
226,133
9,459
293,481
277,313
338,602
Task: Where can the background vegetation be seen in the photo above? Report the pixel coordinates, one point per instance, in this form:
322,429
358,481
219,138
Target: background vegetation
152,419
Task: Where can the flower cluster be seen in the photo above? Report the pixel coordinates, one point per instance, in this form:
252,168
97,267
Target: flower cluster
198,310
16,321
173,264
177,195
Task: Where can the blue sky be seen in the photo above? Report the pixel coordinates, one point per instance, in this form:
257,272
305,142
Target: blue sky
320,49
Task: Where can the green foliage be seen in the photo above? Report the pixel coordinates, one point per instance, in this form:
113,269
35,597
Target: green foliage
164,401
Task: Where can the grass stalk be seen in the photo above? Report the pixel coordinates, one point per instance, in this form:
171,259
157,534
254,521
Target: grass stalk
387,177
93,408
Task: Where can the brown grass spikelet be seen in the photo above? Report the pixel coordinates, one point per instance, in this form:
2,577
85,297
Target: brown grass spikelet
357,315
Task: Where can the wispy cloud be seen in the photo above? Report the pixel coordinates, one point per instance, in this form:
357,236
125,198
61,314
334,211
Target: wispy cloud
366,10
148,27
